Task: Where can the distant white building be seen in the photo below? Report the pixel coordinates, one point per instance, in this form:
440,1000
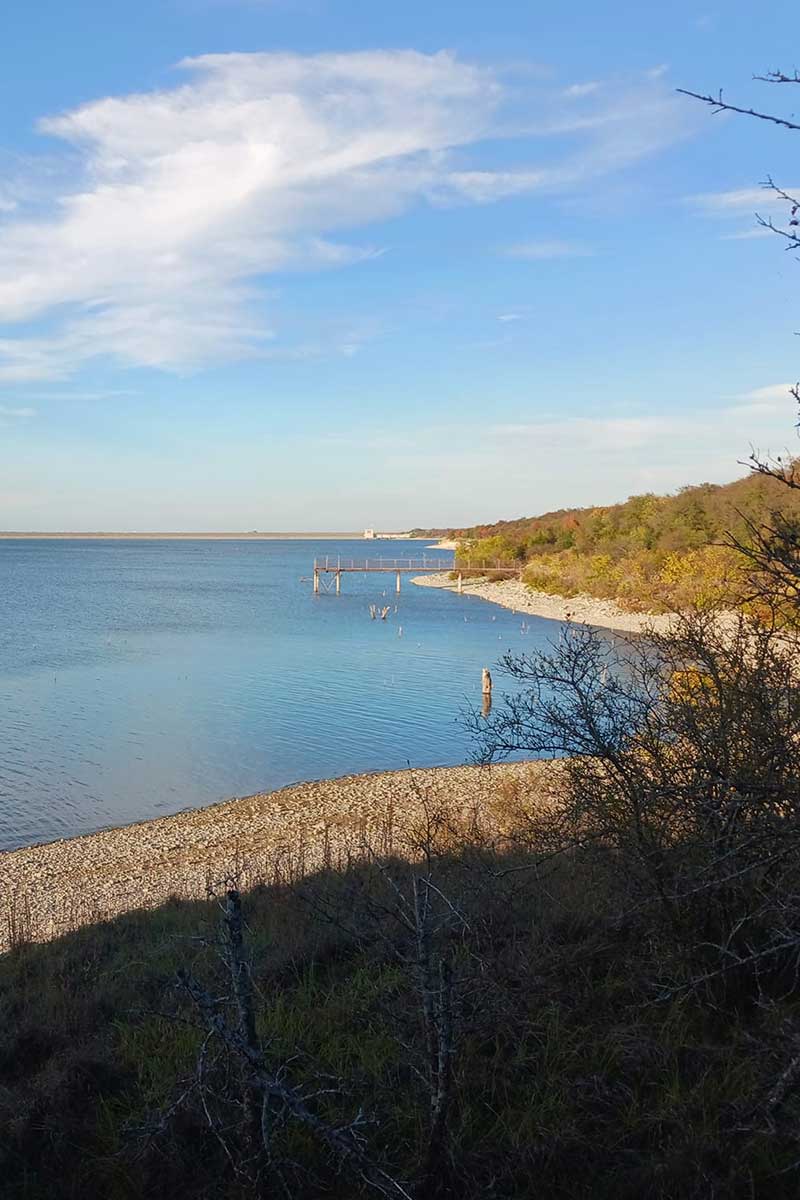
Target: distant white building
369,534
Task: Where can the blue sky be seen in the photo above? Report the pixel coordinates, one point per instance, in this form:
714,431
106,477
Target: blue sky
296,264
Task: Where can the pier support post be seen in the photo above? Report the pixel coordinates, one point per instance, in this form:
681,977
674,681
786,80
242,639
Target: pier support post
338,583
397,588
316,582
486,688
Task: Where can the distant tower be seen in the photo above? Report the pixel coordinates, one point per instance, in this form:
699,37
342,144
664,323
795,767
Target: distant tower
369,534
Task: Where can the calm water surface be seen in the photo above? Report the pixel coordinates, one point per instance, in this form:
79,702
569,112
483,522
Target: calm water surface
138,678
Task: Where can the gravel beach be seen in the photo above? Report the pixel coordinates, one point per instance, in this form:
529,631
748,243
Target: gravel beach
586,610
48,889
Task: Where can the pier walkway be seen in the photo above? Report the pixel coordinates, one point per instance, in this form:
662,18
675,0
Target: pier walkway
328,571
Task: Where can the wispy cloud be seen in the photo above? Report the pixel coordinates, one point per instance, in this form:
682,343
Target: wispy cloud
612,437
611,456
173,206
581,89
17,412
735,201
535,250
619,434
762,410
775,398
742,205
81,396
746,235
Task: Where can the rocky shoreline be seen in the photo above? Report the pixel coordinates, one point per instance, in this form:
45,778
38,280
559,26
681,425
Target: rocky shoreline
586,610
49,889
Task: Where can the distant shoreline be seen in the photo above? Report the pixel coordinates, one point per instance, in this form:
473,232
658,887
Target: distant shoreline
201,537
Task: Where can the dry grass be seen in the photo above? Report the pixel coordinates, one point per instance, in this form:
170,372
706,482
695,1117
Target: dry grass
569,1080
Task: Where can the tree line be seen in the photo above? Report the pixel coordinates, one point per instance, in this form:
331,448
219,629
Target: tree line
652,553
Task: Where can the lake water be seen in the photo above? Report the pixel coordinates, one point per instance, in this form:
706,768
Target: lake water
138,678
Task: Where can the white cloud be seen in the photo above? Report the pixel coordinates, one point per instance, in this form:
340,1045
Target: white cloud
603,433
766,411
80,396
581,89
775,398
17,412
535,250
740,204
512,316
609,456
185,199
484,187
746,235
736,201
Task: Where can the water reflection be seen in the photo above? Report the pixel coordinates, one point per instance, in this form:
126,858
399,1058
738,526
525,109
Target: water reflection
138,678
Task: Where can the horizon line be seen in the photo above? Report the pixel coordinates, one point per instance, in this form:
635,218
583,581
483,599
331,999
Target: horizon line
252,535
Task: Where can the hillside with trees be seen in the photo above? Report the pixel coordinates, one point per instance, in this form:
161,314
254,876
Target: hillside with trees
651,553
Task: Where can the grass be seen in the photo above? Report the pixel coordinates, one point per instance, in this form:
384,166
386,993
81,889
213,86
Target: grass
571,1080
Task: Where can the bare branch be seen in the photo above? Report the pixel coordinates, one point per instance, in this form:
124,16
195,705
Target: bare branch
719,105
778,77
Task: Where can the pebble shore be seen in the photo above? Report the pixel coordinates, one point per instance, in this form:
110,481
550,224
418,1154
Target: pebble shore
49,889
585,610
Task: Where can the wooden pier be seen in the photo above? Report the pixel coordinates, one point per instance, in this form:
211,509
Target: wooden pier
328,571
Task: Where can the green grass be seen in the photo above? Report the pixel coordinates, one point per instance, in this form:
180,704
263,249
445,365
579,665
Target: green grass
570,1079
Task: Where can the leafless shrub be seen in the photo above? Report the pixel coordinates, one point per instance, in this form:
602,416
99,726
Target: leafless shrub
411,916
247,1098
681,758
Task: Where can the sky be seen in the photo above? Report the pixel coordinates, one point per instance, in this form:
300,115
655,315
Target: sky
319,264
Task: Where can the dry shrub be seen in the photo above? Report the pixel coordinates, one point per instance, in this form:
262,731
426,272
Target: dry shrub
693,787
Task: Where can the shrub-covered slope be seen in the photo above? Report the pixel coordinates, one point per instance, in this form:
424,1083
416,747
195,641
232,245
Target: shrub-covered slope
650,552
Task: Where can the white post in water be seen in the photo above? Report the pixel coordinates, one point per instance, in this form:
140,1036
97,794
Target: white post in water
316,582
338,583
460,583
397,586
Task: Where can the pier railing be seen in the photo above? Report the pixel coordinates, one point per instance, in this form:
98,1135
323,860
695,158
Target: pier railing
425,563
329,563
328,571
